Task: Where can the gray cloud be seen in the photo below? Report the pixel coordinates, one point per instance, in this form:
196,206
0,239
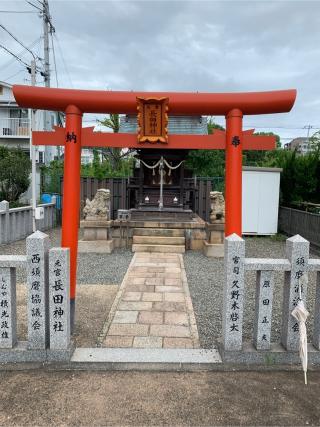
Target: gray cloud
209,46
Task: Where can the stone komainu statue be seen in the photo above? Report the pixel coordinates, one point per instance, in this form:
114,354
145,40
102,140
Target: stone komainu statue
99,207
217,212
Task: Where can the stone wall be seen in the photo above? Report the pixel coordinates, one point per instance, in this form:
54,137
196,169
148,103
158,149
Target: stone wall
16,223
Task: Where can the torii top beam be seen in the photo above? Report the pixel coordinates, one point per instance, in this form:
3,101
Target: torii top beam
97,101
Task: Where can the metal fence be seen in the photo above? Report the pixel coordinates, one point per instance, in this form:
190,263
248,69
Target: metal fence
294,221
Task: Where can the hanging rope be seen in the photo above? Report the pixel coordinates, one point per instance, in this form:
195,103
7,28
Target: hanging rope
151,167
173,167
159,164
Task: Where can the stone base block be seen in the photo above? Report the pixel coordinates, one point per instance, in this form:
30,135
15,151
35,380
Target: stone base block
21,354
196,245
213,250
60,355
277,355
98,246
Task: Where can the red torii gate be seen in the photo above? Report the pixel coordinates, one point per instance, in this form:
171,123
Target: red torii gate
76,102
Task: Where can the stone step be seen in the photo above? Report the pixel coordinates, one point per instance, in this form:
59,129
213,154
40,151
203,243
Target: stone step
158,240
164,232
177,249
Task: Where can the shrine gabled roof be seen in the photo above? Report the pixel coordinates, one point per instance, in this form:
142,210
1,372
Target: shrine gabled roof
189,125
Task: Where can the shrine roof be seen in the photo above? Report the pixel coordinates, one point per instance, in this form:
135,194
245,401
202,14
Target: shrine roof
189,125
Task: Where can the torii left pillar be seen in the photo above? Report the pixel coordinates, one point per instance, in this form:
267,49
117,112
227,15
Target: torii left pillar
71,195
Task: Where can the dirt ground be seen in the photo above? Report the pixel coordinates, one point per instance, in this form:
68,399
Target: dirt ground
145,398
92,308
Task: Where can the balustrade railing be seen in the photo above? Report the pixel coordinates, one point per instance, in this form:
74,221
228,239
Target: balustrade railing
14,127
295,267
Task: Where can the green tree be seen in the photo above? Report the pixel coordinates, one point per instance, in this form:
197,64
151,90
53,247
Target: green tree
51,177
15,167
300,176
114,155
258,157
207,162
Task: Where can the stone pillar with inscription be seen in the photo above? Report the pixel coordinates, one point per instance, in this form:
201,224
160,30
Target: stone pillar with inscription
233,293
8,320
263,311
37,279
59,298
4,221
316,327
297,251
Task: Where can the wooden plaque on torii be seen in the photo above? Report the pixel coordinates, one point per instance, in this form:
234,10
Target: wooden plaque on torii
152,120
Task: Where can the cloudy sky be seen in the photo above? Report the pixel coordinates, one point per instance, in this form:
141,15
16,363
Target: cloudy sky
210,46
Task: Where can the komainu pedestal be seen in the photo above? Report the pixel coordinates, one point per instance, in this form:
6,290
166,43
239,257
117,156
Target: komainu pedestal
214,245
97,224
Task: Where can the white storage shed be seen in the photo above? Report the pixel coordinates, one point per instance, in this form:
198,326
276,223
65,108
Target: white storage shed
260,200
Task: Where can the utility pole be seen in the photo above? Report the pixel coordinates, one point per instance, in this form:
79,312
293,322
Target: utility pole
46,55
308,127
33,153
46,28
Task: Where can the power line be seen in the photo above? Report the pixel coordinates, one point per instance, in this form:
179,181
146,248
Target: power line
54,61
33,5
63,60
17,11
20,54
13,75
15,56
18,41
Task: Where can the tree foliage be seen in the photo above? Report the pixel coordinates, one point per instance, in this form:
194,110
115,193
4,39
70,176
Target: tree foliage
114,155
15,167
51,175
300,176
207,162
212,162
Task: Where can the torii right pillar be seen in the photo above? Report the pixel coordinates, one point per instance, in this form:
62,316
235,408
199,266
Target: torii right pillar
233,173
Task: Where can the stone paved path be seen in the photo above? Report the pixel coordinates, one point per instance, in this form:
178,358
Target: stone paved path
153,308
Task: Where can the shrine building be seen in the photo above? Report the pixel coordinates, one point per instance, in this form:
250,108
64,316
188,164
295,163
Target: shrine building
178,190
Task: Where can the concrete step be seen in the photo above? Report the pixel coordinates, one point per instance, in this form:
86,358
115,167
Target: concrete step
158,240
164,232
177,249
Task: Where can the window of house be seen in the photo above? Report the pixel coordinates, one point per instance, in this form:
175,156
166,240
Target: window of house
41,157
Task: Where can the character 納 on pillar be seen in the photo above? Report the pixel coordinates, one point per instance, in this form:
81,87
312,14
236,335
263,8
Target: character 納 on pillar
71,195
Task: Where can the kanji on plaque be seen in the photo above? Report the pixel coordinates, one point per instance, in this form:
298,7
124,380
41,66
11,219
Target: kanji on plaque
152,120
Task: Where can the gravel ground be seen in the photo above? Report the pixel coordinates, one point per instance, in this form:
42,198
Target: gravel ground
205,279
92,268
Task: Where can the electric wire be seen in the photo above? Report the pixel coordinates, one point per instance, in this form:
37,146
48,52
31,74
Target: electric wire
54,61
13,75
20,54
14,55
18,41
63,60
17,11
33,5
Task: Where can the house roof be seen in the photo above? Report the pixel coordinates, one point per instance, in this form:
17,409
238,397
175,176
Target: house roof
189,125
5,84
